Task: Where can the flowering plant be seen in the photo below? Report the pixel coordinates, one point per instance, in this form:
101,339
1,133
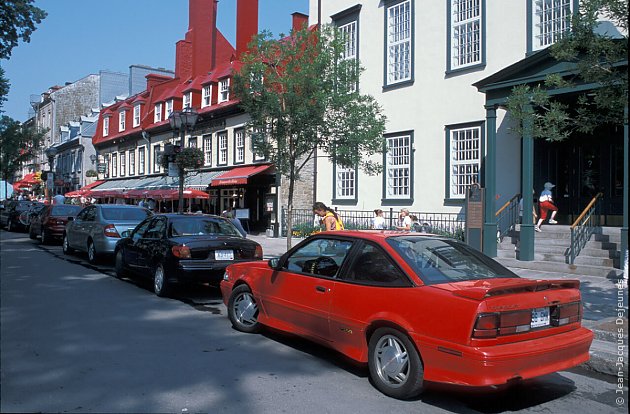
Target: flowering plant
187,159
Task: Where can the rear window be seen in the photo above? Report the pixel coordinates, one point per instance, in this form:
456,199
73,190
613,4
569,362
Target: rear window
444,261
202,227
65,210
22,206
130,214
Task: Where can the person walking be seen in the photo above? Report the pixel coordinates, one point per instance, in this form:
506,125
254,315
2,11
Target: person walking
378,221
330,219
546,205
404,221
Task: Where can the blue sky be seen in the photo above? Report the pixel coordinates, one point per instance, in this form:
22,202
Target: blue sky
82,37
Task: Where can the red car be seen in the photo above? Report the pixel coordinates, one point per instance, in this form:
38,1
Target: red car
413,307
51,222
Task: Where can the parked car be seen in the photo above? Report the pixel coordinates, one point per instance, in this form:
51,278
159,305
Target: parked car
97,228
413,307
10,214
183,248
27,216
51,222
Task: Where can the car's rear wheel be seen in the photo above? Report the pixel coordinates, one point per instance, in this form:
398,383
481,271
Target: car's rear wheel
65,245
91,252
45,238
160,281
395,366
10,225
120,265
243,310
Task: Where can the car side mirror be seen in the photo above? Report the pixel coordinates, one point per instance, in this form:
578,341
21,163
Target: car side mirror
274,263
126,233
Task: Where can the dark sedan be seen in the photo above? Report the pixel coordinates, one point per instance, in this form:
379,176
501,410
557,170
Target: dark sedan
10,214
183,248
51,222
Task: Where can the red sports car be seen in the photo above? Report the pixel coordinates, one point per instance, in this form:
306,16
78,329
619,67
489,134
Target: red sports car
414,307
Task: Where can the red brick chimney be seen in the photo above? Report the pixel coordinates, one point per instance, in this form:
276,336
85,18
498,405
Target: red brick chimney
299,21
246,24
202,34
183,59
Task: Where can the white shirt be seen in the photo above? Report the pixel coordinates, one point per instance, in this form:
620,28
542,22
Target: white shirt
378,223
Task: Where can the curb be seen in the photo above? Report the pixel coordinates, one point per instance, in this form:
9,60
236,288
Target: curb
609,350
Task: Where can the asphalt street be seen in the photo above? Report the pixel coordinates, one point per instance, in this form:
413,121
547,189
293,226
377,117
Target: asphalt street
76,339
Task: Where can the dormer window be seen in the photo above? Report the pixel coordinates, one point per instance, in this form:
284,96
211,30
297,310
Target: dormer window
158,112
105,126
224,90
187,100
206,96
169,108
136,115
121,121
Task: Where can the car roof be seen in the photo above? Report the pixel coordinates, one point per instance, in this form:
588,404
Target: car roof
187,215
117,206
375,235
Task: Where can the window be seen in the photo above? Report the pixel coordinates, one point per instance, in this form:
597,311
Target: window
121,121
207,150
373,267
169,109
136,115
398,167
105,126
114,165
192,142
398,32
322,257
223,148
72,161
156,158
345,183
106,159
224,90
132,162
239,146
158,113
187,100
141,160
347,23
123,164
206,96
550,21
466,33
464,159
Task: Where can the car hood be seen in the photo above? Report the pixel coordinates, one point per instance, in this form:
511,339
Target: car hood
481,289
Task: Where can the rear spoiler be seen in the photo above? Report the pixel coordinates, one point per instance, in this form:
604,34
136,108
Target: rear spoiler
480,293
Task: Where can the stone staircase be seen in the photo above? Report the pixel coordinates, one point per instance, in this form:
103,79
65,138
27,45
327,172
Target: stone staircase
600,256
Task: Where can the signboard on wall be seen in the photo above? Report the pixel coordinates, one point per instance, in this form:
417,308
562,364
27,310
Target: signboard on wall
242,213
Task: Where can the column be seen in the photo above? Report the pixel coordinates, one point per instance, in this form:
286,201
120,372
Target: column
526,250
490,222
624,229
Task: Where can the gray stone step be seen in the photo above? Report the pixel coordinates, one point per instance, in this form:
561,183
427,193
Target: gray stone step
547,266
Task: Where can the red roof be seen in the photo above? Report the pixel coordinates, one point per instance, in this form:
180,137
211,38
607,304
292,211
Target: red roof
239,175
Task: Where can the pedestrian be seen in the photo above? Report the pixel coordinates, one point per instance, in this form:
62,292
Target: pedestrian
546,205
404,221
330,220
151,204
59,199
378,221
415,224
228,213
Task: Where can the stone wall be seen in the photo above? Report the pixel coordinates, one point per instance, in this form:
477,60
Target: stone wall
74,100
303,191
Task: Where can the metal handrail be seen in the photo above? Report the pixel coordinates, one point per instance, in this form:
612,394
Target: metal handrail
507,217
583,227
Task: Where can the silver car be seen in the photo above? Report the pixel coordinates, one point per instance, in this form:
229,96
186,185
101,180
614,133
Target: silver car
97,228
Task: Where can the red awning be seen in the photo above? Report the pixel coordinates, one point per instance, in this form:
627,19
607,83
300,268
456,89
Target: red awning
85,190
239,175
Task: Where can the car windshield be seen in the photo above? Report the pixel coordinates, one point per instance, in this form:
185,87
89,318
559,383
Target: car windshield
189,226
443,260
22,206
65,210
131,214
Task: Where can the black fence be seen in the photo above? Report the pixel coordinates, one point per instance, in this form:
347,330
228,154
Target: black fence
306,223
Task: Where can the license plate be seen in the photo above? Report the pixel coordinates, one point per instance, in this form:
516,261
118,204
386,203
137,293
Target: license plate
224,255
540,317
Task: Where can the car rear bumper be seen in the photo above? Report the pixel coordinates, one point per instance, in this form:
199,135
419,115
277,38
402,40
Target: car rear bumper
55,231
201,271
499,364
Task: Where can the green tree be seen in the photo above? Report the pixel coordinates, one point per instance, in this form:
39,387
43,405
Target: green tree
600,58
18,145
17,21
301,95
4,89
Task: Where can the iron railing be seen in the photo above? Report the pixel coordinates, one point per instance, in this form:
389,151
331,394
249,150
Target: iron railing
508,217
447,224
583,228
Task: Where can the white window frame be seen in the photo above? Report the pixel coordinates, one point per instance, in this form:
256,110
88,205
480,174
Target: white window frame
207,150
136,115
345,183
551,21
399,42
132,162
350,45
105,126
224,90
114,164
465,159
169,109
206,96
398,178
466,33
255,155
158,113
222,143
121,120
156,161
123,163
187,100
239,146
141,160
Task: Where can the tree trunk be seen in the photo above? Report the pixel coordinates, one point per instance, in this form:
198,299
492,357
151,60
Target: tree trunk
180,206
290,208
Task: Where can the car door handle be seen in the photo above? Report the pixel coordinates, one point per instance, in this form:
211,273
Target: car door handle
320,289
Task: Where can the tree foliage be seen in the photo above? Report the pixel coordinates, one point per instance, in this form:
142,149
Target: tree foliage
301,95
18,145
600,58
4,89
17,21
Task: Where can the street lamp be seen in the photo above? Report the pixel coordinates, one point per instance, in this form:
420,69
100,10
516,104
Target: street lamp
93,158
50,154
183,121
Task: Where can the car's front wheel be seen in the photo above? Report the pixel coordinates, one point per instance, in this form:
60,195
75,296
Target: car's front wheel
31,233
243,310
65,245
160,281
120,265
395,366
45,238
10,225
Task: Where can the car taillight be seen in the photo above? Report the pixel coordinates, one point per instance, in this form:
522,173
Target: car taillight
110,231
565,314
491,325
183,252
259,252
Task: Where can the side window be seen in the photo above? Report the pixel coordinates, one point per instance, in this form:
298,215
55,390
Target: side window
90,214
373,267
82,213
156,229
139,231
322,257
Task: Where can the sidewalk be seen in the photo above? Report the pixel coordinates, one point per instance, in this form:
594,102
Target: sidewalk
600,297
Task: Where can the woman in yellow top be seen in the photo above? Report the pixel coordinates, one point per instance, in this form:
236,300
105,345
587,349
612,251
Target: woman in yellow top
330,219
